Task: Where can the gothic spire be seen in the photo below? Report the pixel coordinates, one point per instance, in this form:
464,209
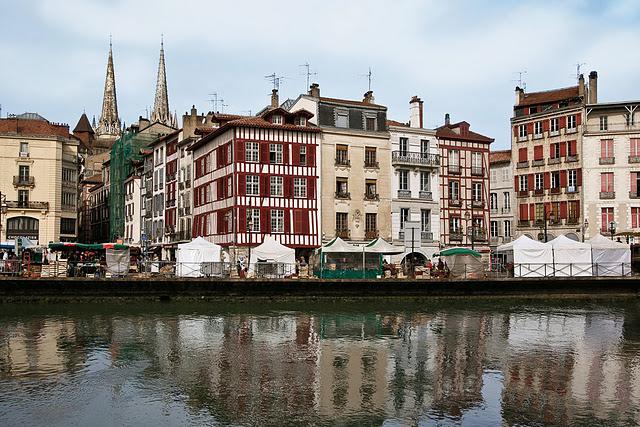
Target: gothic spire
160,111
109,123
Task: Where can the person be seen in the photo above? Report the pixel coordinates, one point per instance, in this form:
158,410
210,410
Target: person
5,256
429,265
440,264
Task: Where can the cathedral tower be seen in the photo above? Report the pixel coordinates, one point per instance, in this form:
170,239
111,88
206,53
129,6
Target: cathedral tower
161,111
109,123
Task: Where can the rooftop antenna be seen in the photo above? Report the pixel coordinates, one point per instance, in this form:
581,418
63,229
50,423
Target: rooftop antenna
578,67
246,111
521,79
214,101
275,80
222,105
369,77
308,72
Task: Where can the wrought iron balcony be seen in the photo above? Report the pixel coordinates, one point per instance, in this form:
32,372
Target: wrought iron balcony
607,160
413,158
343,195
27,205
371,164
634,159
539,191
607,195
455,202
523,193
371,197
370,234
23,181
455,236
342,162
524,223
573,220
634,194
404,194
343,234
477,203
425,195
555,190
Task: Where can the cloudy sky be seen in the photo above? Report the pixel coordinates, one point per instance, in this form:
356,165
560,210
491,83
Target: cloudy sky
461,57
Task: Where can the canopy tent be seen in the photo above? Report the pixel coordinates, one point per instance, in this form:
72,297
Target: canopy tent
64,246
118,261
272,259
191,256
530,258
381,246
458,251
341,260
462,262
610,258
339,245
571,258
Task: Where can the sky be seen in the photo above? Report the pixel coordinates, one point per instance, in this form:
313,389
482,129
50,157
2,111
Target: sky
461,57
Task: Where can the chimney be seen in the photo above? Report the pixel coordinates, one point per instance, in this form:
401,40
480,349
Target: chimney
447,120
581,85
194,111
274,98
519,95
368,97
314,90
593,87
415,112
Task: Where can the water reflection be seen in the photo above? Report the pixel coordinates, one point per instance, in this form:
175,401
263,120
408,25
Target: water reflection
414,365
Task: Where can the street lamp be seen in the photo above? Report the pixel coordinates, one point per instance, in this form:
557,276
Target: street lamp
585,226
467,217
249,229
612,228
3,208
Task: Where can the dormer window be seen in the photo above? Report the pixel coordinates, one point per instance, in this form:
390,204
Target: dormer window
276,119
301,121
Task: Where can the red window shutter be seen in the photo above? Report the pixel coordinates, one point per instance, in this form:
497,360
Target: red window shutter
547,208
264,152
295,154
305,222
545,125
532,211
573,150
546,180
578,209
579,177
522,154
603,182
264,221
240,146
515,183
264,185
242,184
220,220
562,122
311,187
285,154
524,212
287,221
530,181
515,131
242,220
529,128
563,149
603,148
537,152
287,182
552,152
634,182
578,119
311,155
563,210
563,178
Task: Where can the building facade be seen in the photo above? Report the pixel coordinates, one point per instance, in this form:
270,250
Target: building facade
355,178
257,177
464,186
611,147
132,210
99,195
415,192
547,151
500,198
39,164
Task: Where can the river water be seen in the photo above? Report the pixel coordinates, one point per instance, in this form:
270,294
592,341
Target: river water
469,362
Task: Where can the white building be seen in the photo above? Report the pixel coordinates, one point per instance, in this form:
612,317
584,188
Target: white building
415,194
611,145
500,198
132,210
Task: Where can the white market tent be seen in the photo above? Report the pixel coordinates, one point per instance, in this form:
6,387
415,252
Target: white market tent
190,257
381,246
610,258
530,258
339,245
274,253
571,258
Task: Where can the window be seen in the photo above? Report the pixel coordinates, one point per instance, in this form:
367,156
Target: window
537,129
572,181
276,186
606,215
23,198
276,119
555,179
635,147
371,223
571,122
277,221
454,190
493,228
404,217
604,123
424,148
342,187
425,220
303,155
252,152
539,181
477,191
476,163
635,217
553,125
301,121
634,184
253,185
23,174
494,201
370,157
68,199
522,131
370,123
606,149
507,228
342,119
370,188
300,188
507,201
573,211
454,225
275,153
539,212
454,159
606,182
555,151
24,149
253,220
342,155
522,181
403,176
67,226
341,221
425,184
404,146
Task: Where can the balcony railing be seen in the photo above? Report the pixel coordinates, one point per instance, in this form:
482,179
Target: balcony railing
634,159
425,195
23,180
454,169
342,162
343,195
634,194
415,158
370,234
555,190
27,205
572,221
523,164
404,194
371,197
607,195
371,164
455,202
505,210
607,160
343,234
553,161
455,236
523,193
426,236
571,190
571,158
477,170
524,223
539,191
477,203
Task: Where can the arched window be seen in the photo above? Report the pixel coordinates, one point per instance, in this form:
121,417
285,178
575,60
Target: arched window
23,226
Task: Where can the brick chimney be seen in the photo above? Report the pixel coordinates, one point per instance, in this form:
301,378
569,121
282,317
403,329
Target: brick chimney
274,98
368,97
415,112
447,120
314,90
593,87
581,85
519,95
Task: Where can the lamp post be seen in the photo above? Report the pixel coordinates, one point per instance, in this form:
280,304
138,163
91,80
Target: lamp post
249,229
612,228
585,226
3,208
548,218
467,217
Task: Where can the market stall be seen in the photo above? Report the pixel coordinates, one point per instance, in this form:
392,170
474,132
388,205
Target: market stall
341,260
462,263
89,259
379,247
272,260
571,258
530,258
198,258
610,258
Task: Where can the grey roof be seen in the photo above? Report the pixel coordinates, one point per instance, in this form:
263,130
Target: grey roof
30,116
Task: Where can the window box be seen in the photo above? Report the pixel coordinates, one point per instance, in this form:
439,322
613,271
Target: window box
607,195
539,191
425,195
343,234
521,165
572,221
371,197
634,195
343,195
634,159
455,202
607,160
553,161
455,237
370,234
555,190
404,194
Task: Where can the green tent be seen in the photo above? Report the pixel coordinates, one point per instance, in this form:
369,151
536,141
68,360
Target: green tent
458,251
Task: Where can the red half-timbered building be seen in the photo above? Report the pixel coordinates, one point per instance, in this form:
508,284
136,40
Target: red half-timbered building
464,186
257,177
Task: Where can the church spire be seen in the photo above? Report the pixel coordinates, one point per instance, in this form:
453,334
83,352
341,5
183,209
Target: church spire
109,123
161,111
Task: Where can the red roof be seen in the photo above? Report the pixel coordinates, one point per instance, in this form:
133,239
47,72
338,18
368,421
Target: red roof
550,96
395,123
502,156
31,127
448,132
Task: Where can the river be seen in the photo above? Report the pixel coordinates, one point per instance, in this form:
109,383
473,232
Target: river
468,362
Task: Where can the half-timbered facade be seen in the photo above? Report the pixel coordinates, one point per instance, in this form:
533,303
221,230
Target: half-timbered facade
464,186
256,177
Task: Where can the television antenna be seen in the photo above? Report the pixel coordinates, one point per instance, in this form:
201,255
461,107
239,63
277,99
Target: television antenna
308,72
214,100
275,80
369,77
578,69
521,79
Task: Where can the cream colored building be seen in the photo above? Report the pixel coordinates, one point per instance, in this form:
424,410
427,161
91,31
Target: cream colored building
611,146
355,164
39,164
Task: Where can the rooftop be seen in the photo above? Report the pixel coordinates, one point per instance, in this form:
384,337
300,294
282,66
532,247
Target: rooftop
498,157
549,96
455,131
